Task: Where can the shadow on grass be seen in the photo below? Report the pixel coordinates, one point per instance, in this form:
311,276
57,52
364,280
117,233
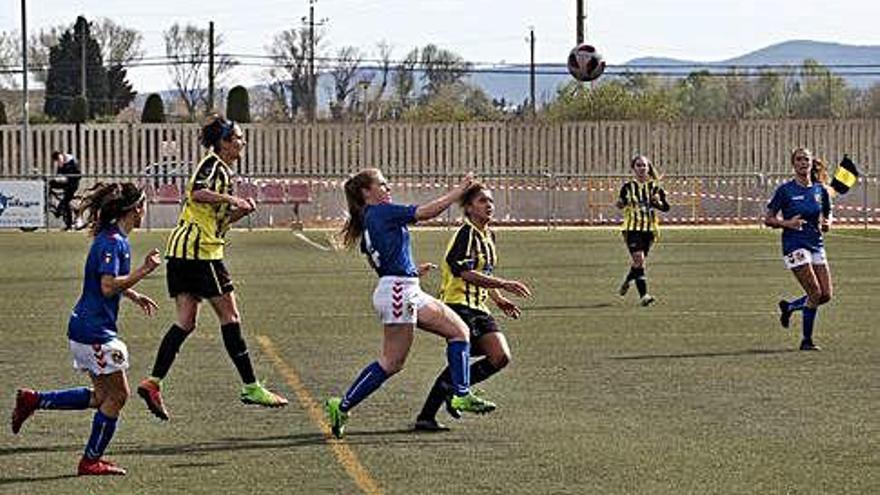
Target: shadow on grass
747,352
34,479
37,450
187,465
233,444
567,306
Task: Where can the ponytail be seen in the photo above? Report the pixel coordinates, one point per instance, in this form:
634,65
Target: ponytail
652,171
104,204
353,228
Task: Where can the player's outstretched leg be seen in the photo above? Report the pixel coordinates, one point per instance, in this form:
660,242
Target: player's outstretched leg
336,416
27,402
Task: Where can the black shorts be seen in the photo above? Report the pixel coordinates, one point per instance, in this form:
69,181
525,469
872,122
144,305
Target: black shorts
638,241
478,322
202,279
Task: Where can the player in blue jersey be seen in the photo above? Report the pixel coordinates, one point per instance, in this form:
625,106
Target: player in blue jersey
379,227
805,206
112,212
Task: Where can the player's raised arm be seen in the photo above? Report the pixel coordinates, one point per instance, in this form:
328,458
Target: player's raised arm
437,206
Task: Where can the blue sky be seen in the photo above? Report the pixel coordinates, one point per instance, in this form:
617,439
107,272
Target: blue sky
482,30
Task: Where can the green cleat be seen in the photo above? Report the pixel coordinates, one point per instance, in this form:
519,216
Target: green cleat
336,416
471,403
256,393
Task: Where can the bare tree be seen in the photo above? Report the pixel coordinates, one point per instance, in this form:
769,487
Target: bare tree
442,67
404,79
344,74
9,58
39,45
188,48
385,52
288,78
119,44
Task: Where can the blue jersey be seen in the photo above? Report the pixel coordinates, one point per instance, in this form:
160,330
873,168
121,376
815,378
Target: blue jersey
93,320
791,198
386,239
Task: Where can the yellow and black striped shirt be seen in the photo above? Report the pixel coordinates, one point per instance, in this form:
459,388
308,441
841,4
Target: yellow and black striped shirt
640,201
469,249
201,227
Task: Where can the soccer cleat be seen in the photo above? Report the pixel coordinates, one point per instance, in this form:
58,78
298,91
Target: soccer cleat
98,467
430,424
624,288
647,300
808,345
26,402
256,393
150,391
472,403
784,313
454,413
336,416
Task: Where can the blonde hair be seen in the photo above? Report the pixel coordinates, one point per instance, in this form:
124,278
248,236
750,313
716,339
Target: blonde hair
819,173
354,187
652,172
800,149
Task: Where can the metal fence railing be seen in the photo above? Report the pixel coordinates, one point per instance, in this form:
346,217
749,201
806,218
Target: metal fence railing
546,199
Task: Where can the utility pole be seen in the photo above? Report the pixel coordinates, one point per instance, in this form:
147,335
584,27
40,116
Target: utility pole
25,148
82,69
211,67
579,19
532,103
313,101
828,94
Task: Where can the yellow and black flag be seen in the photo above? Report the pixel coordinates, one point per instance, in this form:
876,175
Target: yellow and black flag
846,175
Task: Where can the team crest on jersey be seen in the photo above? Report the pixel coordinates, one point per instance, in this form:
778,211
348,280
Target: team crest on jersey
117,357
818,197
108,257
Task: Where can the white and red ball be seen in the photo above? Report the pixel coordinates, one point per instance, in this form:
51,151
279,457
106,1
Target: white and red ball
585,63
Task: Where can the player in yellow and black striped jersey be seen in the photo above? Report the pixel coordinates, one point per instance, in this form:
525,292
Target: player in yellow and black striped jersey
641,199
195,269
468,282
201,228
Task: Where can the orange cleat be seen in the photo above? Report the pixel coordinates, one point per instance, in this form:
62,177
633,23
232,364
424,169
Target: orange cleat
151,393
26,402
98,467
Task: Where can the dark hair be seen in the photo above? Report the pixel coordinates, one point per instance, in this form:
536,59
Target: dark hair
56,155
353,228
652,172
470,194
216,129
104,204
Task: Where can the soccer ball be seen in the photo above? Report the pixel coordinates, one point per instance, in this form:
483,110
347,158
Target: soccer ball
585,63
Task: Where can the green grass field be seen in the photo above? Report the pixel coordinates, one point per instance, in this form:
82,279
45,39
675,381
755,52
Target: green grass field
701,393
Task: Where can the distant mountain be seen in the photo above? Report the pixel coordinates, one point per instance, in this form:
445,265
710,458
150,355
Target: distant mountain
512,82
789,53
514,87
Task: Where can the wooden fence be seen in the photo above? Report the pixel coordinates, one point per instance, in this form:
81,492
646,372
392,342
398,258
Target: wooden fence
506,149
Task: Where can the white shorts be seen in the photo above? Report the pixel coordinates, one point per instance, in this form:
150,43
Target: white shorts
100,359
398,299
803,256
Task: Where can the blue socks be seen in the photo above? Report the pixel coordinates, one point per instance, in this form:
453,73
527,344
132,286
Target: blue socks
103,428
371,378
70,398
809,320
458,354
798,304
